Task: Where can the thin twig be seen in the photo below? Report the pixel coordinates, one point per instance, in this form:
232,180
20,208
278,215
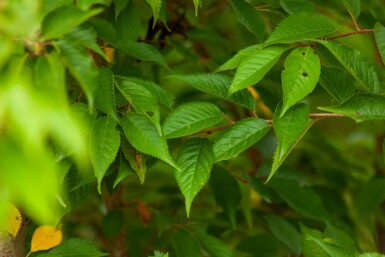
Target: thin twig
210,131
361,31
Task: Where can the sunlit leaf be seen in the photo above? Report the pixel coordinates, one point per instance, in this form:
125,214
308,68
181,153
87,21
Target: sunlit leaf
14,220
46,237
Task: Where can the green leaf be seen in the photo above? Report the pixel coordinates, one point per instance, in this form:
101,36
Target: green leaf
213,246
355,63
51,5
143,135
239,137
197,4
119,6
338,83
76,247
190,118
237,59
265,244
218,85
371,196
330,248
136,159
255,67
159,254
285,232
106,31
302,70
371,255
63,20
226,191
81,67
184,245
141,51
361,107
379,34
353,7
155,6
105,95
128,24
248,16
124,170
87,4
300,26
86,37
104,145
310,248
289,129
293,6
302,199
195,160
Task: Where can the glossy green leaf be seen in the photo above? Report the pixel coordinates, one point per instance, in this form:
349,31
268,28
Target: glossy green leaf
218,85
143,135
124,170
331,249
302,199
300,26
136,159
190,118
238,58
338,83
293,6
239,137
353,7
361,107
155,6
289,129
226,191
81,66
105,95
51,5
76,247
379,34
195,160
63,20
119,6
104,145
255,67
300,76
184,245
248,16
285,232
355,63
214,246
141,51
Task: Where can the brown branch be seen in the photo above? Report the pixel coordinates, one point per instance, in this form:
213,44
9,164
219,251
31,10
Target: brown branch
210,131
361,31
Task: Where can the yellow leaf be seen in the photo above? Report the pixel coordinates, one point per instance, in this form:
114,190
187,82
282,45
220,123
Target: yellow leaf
46,237
14,221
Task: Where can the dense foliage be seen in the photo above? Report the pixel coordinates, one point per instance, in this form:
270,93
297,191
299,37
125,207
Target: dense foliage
192,128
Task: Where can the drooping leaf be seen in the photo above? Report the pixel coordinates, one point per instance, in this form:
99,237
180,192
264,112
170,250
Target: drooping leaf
124,170
237,59
63,20
300,76
184,245
155,6
331,249
293,6
248,16
239,137
190,118
45,237
105,29
255,67
14,220
136,159
285,232
197,4
76,247
51,5
226,191
218,85
353,7
119,6
195,160
379,34
105,95
128,24
214,246
361,107
289,130
300,26
141,51
143,135
338,83
104,145
81,67
355,63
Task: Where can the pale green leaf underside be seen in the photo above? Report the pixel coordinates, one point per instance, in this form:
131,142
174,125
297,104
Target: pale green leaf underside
353,6
248,16
254,68
239,137
143,135
355,63
300,26
218,85
155,6
63,20
104,144
379,33
190,118
361,108
195,160
289,130
236,60
300,76
338,83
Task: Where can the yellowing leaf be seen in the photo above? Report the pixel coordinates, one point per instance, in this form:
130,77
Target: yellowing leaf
14,221
46,237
